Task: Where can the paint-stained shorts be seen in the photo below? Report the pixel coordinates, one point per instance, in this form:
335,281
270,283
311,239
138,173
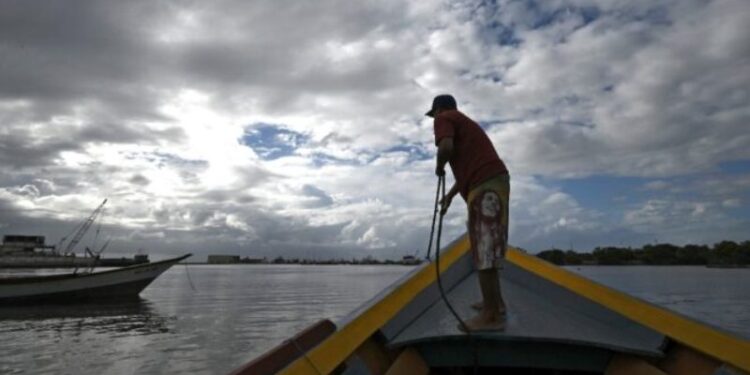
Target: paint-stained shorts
488,221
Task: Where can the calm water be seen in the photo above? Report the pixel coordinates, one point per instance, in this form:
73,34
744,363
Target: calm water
238,312
717,296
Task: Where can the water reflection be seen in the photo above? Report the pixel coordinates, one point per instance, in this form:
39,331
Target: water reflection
132,317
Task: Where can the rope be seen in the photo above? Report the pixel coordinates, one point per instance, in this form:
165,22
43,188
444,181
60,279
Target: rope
190,280
472,343
434,215
98,229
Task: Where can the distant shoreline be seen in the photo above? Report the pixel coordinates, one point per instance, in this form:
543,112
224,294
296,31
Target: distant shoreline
724,254
295,264
724,266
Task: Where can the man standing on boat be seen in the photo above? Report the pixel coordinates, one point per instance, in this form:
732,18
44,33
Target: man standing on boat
484,183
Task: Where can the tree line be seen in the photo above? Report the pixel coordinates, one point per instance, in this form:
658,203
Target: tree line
368,260
725,253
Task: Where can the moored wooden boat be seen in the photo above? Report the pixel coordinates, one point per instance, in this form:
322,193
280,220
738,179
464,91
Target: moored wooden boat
558,323
121,283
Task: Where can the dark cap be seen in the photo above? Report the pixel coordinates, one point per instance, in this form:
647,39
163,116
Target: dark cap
444,101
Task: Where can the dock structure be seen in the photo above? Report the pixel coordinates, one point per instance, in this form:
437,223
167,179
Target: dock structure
558,321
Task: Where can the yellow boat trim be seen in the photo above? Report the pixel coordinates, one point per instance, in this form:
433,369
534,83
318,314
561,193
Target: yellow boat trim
324,358
716,344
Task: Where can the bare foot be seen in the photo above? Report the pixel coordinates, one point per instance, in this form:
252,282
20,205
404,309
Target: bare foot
480,305
484,322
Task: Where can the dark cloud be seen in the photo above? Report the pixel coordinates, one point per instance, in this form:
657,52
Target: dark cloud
128,133
22,149
19,220
25,145
139,179
322,198
227,195
85,52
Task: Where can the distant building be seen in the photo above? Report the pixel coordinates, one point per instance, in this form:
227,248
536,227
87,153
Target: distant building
223,259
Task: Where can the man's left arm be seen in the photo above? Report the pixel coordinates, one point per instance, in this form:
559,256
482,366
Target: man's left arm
445,202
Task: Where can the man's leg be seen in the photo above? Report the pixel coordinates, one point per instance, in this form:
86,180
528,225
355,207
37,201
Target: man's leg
488,234
479,306
490,316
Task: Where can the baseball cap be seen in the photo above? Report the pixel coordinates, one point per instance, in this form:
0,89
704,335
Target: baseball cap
444,101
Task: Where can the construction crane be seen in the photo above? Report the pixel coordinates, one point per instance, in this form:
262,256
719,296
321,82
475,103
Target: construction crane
96,254
84,228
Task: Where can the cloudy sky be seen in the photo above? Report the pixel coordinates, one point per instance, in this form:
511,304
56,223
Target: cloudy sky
296,128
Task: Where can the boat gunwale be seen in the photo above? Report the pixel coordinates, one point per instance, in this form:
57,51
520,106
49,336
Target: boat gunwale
341,344
702,337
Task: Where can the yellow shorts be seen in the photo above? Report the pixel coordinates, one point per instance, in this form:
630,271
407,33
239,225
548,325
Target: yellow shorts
488,221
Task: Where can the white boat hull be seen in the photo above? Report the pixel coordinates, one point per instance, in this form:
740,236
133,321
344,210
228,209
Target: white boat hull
120,283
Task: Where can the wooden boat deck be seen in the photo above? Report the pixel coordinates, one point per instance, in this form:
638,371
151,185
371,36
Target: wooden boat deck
541,315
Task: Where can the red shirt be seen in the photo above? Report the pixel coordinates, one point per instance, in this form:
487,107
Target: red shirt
474,159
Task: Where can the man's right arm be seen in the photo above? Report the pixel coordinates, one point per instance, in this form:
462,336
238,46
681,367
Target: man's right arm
444,153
